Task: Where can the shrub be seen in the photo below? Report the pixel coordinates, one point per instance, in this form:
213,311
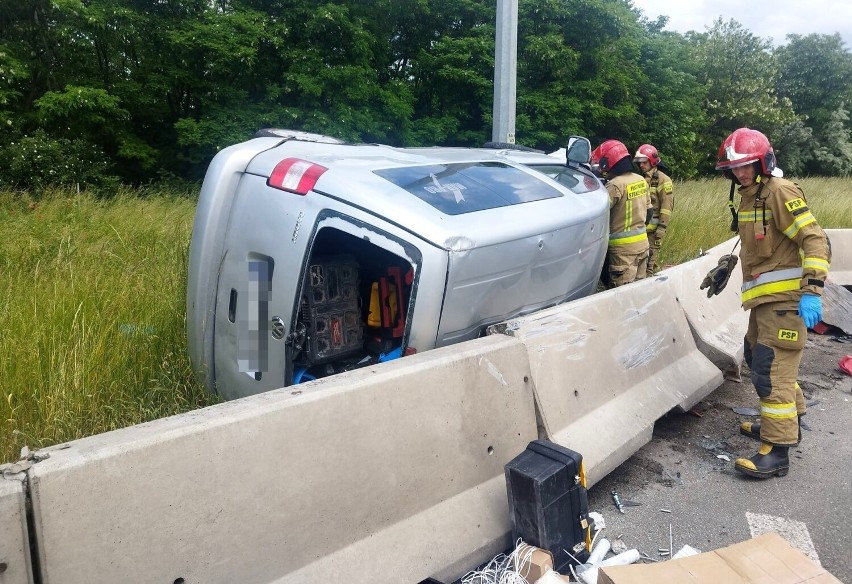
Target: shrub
39,161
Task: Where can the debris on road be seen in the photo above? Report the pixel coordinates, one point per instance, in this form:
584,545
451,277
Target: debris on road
745,411
845,364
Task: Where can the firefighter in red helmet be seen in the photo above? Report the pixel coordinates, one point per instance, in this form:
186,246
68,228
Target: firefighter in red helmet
785,258
662,200
629,201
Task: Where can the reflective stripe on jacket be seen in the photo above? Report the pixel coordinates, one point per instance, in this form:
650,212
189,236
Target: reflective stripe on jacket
772,283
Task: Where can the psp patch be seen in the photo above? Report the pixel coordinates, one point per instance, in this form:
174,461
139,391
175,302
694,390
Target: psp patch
796,205
788,335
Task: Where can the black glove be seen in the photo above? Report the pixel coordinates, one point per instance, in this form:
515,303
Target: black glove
717,278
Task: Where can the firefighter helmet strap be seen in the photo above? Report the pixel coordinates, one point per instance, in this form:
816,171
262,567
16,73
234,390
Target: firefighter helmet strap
735,224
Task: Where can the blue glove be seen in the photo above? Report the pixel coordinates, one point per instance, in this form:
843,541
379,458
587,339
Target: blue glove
810,309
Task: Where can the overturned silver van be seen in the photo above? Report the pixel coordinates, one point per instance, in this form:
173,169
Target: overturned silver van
310,256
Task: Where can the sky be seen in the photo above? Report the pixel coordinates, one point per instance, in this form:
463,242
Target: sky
772,20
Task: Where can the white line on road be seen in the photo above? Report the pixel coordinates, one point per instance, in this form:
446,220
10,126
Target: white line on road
795,532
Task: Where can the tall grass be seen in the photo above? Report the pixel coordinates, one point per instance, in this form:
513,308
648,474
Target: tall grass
92,321
701,218
93,315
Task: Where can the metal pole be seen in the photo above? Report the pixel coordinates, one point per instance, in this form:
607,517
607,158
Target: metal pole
505,71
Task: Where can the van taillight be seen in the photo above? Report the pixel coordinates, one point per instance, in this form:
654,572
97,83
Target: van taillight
295,175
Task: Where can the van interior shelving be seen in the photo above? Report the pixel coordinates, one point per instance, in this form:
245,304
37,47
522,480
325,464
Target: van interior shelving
353,307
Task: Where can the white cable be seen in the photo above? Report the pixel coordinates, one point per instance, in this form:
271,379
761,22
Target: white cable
504,569
597,533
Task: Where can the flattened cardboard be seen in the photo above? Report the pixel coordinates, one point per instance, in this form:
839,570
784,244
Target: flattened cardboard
766,559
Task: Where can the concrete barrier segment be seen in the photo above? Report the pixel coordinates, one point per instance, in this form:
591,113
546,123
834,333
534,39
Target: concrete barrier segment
15,562
718,324
606,367
841,256
391,473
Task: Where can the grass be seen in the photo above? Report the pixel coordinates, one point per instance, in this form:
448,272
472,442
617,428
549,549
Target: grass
93,315
701,218
93,303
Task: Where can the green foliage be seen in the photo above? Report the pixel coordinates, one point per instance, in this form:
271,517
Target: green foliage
671,102
40,161
794,147
160,87
834,156
701,218
739,72
80,110
12,73
816,75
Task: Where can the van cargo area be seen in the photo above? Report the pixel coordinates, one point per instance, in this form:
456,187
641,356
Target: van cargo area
353,306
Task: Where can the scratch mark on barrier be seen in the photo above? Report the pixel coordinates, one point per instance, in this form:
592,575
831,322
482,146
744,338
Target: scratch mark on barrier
634,313
638,348
493,371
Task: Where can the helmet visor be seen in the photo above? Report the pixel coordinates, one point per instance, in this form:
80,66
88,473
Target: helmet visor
728,164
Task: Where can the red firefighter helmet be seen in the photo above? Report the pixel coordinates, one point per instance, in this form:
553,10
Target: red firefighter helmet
647,152
746,146
608,154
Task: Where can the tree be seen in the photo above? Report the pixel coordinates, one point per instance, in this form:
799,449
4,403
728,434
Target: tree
794,148
816,76
671,100
740,74
834,156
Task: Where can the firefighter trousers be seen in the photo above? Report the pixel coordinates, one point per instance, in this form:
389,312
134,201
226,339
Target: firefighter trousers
655,242
774,343
626,263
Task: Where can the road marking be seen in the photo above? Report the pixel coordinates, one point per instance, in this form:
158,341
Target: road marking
795,532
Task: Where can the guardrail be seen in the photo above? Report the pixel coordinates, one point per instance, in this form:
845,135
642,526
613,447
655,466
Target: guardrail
718,324
606,367
15,566
841,258
392,473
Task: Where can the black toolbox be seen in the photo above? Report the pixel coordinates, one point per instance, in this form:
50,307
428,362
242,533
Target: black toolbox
548,501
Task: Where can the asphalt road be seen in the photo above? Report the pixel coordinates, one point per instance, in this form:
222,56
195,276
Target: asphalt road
711,505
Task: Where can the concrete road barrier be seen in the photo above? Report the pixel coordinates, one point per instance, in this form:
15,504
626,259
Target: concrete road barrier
718,324
841,258
389,474
15,567
607,367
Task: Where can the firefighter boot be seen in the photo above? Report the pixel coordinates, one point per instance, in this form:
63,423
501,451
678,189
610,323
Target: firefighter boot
752,430
770,460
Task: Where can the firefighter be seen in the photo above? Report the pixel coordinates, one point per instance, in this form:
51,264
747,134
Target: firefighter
785,257
662,200
629,202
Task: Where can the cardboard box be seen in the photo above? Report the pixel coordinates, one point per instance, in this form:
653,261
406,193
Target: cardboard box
540,562
766,559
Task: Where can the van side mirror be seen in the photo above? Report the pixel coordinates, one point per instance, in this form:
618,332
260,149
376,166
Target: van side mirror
578,151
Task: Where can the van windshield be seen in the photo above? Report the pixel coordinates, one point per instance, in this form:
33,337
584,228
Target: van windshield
465,187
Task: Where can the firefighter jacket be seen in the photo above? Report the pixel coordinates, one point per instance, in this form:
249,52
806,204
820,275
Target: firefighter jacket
628,208
784,250
662,199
